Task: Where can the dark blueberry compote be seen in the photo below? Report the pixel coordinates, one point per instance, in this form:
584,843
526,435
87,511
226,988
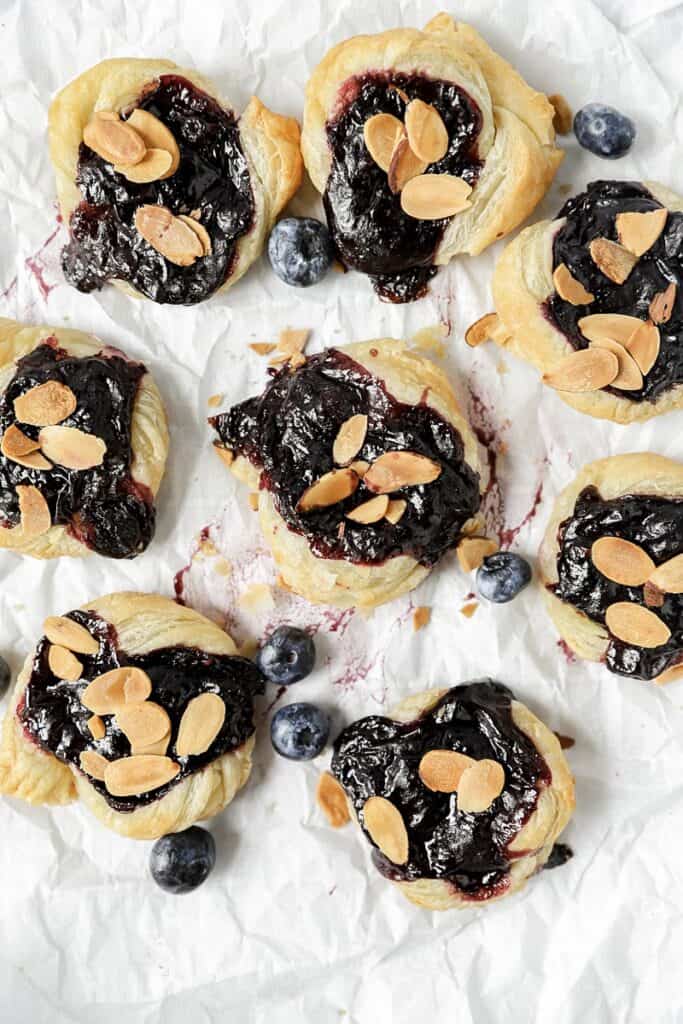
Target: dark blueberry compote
212,178
288,432
54,717
370,230
377,756
592,214
654,524
103,507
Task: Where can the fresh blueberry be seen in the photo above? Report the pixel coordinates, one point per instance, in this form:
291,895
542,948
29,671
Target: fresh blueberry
287,656
183,860
299,731
502,576
5,676
604,130
300,251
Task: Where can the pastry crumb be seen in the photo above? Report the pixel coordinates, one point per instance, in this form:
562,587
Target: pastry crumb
468,610
563,119
256,597
253,500
421,617
214,400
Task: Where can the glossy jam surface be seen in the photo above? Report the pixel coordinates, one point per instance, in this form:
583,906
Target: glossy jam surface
103,507
592,214
213,178
370,230
288,432
656,525
55,718
377,756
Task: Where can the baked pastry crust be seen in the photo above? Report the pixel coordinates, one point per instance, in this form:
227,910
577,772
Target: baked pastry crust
270,143
143,622
523,282
149,429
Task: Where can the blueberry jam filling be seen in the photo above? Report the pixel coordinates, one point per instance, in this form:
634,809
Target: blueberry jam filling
212,178
54,717
103,507
377,756
288,432
654,524
370,230
592,214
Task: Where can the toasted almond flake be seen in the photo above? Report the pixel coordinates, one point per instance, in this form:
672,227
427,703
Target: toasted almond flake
140,773
114,140
349,439
621,561
481,330
156,135
262,348
293,340
394,470
158,747
143,723
257,597
638,232
472,551
22,450
64,664
668,577
360,467
662,304
155,165
328,490
588,369
253,500
226,455
169,235
46,404
441,770
612,259
201,722
200,231
669,675
71,447
644,345
404,165
636,625
616,326
433,196
214,400
332,801
652,595
94,764
421,617
480,784
629,377
381,132
97,727
562,114
136,685
111,690
395,510
386,828
67,633
298,359
370,511
469,609
569,289
34,511
426,131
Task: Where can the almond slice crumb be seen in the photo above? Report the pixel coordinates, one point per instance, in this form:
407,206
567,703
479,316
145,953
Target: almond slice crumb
155,165
114,140
480,785
22,450
201,722
111,690
621,561
328,490
293,340
64,664
143,723
262,348
381,133
394,470
67,633
156,135
404,165
481,330
469,609
569,289
644,345
563,118
360,467
97,727
214,400
331,799
349,439
200,231
472,551
441,770
386,828
435,196
34,511
46,404
638,232
426,131
93,764
421,617
616,326
668,577
226,455
395,510
588,369
652,595
662,304
629,377
140,773
72,448
169,235
370,511
636,625
612,259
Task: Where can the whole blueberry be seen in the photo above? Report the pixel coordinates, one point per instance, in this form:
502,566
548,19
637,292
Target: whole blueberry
604,130
300,251
287,656
5,676
500,577
183,860
299,731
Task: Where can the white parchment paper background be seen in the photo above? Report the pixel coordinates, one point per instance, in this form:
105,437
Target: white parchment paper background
294,925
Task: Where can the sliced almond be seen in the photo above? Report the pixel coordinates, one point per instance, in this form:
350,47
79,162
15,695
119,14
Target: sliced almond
616,326
669,675
472,551
668,577
426,131
199,230
386,828
394,470
569,289
421,617
612,259
94,764
638,232
481,330
433,196
19,448
588,369
652,595
480,785
360,467
67,633
636,625
370,511
140,773
262,348
71,447
621,561
404,165
137,685
293,340
107,692
34,511
97,727
644,345
156,135
201,722
349,439
332,801
114,140
143,722
629,377
226,455
328,490
562,114
381,133
395,510
158,747
64,664
441,770
155,165
169,235
46,404
662,305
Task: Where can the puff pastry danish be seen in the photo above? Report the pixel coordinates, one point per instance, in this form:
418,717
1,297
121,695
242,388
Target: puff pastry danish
462,793
424,145
612,565
165,190
367,471
83,445
137,706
